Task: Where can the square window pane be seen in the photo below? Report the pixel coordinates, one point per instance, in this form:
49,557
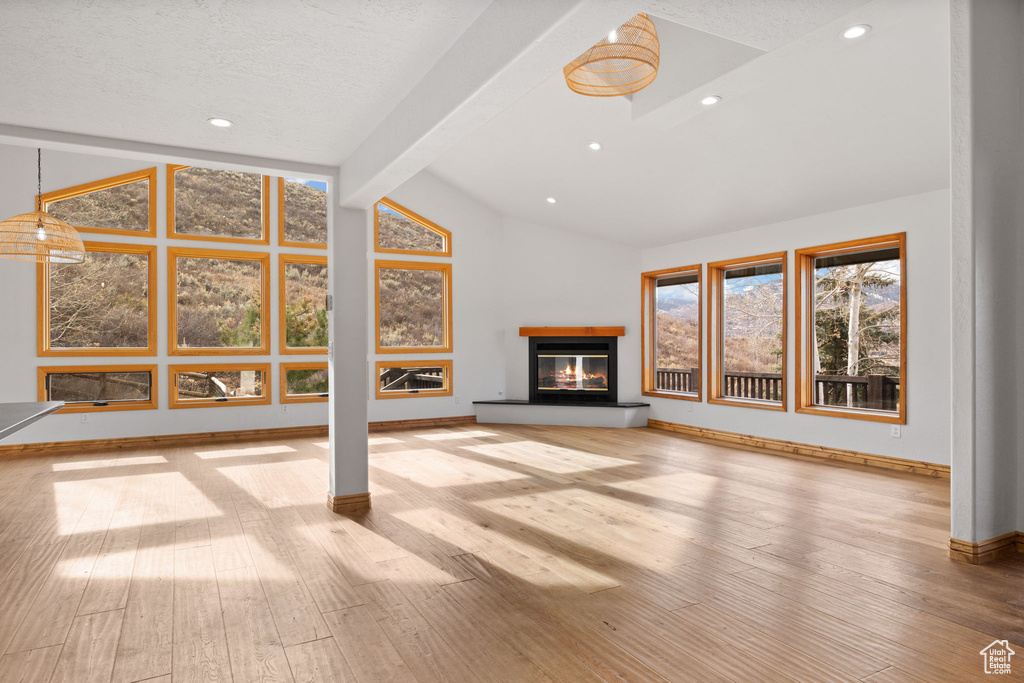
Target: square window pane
412,308
219,302
101,303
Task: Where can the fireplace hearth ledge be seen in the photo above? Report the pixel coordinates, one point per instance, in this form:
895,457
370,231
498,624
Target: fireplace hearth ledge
513,411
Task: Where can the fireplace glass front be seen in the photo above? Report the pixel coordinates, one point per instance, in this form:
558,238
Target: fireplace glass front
575,373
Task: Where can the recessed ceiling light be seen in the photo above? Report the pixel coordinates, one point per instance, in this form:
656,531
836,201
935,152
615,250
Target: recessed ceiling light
710,99
857,31
595,145
551,200
220,123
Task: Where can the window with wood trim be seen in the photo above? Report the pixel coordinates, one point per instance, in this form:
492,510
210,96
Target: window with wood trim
217,302
121,205
212,204
209,385
105,306
851,329
413,307
409,379
99,388
747,318
672,333
302,288
305,383
397,230
302,213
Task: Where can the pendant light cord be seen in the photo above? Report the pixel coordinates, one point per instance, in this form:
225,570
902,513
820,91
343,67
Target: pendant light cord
39,179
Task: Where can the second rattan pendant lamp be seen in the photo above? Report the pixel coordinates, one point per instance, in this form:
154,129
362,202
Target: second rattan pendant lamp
624,62
38,236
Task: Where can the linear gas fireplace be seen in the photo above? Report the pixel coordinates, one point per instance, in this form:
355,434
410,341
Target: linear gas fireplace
573,369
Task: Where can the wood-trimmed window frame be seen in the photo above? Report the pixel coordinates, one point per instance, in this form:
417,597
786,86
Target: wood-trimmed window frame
282,261
445,363
281,241
715,299
149,174
446,269
805,324
154,392
173,253
446,235
173,234
649,331
43,348
285,397
177,403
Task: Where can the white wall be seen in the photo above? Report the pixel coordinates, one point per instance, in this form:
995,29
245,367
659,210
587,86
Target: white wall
558,278
18,360
925,219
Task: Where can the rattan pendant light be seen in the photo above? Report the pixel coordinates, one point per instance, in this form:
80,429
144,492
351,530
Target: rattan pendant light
624,62
38,236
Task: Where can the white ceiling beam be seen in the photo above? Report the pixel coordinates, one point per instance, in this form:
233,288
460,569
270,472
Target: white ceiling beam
511,49
152,153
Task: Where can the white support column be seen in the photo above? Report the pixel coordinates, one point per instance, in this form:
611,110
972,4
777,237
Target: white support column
987,178
347,244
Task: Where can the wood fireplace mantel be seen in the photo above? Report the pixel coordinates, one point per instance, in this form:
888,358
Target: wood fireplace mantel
572,331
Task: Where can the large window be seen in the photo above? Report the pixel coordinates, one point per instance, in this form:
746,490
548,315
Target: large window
217,302
305,382
851,329
97,388
303,303
103,307
122,205
204,386
414,302
224,206
404,379
397,230
748,320
672,333
302,213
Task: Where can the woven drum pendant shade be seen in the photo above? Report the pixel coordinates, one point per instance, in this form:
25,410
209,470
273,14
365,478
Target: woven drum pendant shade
623,63
38,236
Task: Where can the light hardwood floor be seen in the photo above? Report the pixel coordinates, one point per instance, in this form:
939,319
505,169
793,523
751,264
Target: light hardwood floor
493,554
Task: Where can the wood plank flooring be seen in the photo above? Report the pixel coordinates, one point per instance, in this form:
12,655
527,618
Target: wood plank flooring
492,553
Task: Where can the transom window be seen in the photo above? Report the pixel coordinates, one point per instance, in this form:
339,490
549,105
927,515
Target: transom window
212,204
397,230
398,379
124,204
200,386
96,388
305,382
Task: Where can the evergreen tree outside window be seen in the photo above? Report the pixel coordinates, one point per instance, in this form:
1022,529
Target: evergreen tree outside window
853,329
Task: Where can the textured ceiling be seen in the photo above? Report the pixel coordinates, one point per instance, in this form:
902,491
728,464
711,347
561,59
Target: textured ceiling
303,80
814,126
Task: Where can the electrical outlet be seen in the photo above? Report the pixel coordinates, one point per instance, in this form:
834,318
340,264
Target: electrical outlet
284,409
689,406
458,399
85,418
894,432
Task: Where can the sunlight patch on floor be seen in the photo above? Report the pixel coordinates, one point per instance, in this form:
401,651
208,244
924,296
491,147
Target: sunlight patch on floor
455,435
378,441
109,462
239,452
